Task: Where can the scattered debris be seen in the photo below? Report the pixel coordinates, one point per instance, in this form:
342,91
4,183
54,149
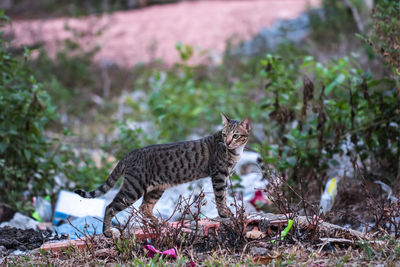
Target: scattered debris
43,209
58,246
71,205
328,197
331,230
264,260
106,253
151,252
88,225
255,234
285,231
20,221
388,190
259,201
259,251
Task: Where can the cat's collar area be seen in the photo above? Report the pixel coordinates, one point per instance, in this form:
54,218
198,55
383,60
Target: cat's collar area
233,151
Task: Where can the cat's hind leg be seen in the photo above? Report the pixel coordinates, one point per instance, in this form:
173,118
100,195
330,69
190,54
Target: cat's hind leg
129,193
149,200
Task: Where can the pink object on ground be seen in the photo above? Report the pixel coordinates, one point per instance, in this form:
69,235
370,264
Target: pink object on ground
143,35
259,200
151,252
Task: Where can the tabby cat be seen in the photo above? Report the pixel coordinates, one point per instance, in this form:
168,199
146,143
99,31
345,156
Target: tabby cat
150,170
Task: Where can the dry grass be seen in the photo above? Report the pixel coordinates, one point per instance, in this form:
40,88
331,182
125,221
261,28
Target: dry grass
228,246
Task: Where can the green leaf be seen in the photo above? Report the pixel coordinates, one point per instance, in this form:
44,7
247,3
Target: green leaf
3,147
27,154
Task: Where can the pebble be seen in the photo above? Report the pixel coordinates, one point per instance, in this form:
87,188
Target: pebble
258,251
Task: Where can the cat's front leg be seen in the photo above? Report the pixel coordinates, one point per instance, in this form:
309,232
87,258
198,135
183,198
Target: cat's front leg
220,189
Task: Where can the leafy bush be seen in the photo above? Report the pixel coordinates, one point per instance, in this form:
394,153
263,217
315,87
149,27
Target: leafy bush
344,111
69,77
385,35
77,169
30,163
187,99
25,110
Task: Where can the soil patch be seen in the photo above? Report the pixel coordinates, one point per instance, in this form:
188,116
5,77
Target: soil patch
13,238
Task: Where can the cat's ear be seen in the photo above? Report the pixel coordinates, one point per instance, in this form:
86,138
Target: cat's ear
225,119
246,124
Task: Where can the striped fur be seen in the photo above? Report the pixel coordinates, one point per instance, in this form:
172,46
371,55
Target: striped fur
150,170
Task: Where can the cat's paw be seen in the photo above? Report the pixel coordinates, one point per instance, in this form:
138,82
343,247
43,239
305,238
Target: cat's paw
112,232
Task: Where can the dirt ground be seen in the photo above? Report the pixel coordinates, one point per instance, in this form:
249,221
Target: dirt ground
17,239
144,35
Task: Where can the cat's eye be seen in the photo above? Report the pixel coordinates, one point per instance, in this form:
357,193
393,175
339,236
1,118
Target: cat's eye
236,136
224,134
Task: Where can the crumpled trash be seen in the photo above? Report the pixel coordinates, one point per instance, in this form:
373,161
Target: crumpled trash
152,251
286,230
21,221
258,201
328,197
80,227
43,209
71,205
388,190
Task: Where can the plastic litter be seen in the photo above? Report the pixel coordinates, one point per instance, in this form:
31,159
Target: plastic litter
328,197
43,210
88,225
388,190
151,252
258,201
71,205
21,221
286,230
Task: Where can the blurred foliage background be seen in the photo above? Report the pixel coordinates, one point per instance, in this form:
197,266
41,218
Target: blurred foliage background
311,103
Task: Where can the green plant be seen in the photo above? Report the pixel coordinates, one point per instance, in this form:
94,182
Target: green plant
70,76
385,35
78,169
29,161
344,110
25,110
128,140
187,99
333,23
126,247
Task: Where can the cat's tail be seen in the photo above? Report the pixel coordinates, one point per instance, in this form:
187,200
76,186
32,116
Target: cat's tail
109,183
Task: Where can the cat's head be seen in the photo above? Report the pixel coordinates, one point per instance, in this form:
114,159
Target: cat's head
235,133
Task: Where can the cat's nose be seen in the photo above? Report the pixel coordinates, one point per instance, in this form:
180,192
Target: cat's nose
228,142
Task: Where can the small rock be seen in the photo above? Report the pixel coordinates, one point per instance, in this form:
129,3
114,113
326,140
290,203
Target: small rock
105,252
45,226
18,253
3,251
258,251
115,232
